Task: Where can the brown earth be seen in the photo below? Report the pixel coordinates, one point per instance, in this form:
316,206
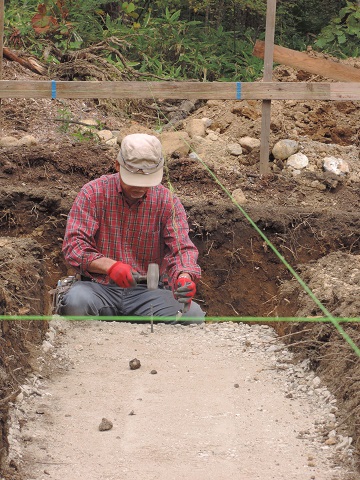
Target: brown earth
241,274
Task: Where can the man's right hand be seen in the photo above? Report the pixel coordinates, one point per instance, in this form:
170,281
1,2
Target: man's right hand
121,274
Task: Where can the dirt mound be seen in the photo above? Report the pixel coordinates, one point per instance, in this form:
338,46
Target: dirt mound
334,279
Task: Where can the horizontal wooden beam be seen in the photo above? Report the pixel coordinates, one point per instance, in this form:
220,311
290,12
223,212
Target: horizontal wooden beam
181,90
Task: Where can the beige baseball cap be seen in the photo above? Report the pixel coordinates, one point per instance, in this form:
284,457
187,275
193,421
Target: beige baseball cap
141,161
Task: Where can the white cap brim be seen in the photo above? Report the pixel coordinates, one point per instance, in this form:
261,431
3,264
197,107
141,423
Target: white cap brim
141,180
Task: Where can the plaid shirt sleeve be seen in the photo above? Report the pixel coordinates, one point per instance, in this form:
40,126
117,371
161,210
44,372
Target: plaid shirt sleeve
79,246
180,253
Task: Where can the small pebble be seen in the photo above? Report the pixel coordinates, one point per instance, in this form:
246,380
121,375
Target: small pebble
105,425
153,372
134,364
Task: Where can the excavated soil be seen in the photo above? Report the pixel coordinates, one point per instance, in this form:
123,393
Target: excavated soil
241,274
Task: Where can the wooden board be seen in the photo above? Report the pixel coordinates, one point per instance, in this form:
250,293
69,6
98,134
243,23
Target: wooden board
181,90
317,66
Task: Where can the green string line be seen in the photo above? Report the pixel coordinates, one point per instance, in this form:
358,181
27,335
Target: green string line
182,319
305,287
273,248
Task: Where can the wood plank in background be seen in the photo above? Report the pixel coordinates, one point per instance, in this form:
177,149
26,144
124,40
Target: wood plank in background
317,66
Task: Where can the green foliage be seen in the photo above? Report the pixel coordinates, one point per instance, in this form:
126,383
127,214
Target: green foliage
170,47
206,40
69,24
85,136
64,116
342,36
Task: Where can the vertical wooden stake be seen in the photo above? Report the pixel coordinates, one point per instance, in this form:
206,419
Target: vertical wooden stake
268,71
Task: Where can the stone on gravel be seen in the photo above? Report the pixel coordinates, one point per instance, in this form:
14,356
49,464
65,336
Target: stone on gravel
336,165
239,196
105,425
297,161
175,142
134,364
195,127
9,141
27,141
249,143
284,149
234,149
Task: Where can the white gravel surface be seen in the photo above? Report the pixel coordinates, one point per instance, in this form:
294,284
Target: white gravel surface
212,401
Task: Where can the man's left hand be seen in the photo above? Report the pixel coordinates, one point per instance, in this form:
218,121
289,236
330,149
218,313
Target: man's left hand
185,290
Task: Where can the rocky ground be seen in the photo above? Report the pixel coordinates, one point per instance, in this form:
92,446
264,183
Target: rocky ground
309,213
215,401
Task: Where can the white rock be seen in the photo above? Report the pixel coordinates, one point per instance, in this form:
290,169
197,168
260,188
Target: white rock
316,184
298,161
20,397
207,122
90,122
344,443
249,143
105,135
239,196
234,149
89,125
284,148
9,142
112,142
28,140
196,128
50,336
336,165
175,142
212,136
46,346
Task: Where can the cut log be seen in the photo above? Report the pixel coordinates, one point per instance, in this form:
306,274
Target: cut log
317,66
29,63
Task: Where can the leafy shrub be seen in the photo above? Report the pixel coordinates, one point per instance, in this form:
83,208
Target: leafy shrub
174,48
342,36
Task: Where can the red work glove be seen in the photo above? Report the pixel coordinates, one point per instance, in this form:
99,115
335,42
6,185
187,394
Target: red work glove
185,290
121,274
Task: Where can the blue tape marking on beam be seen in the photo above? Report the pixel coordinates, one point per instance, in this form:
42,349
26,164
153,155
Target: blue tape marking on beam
238,90
53,89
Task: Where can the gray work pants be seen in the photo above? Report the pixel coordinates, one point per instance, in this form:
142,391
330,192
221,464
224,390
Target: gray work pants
94,299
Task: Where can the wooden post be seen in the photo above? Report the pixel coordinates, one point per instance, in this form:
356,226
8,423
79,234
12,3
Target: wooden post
268,72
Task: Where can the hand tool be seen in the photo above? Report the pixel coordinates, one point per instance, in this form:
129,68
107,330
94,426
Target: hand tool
151,278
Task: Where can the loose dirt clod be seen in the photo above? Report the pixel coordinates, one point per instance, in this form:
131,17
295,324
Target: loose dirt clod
134,364
105,425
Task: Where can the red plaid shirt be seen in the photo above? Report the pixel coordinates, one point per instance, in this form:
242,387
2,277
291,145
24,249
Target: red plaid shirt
154,230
